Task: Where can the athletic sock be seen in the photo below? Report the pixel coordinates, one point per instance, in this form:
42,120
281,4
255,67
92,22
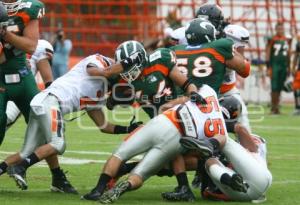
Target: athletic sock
215,143
165,172
102,182
29,161
56,172
3,168
225,179
126,168
182,179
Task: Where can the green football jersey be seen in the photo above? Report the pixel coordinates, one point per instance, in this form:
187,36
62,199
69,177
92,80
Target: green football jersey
205,64
279,50
154,87
15,59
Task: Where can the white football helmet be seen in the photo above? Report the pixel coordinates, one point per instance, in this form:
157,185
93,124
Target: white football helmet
238,34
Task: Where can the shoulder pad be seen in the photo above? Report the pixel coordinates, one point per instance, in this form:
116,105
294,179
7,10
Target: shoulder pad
163,56
34,8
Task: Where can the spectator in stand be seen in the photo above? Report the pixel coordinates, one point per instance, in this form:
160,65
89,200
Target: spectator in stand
296,73
62,49
278,64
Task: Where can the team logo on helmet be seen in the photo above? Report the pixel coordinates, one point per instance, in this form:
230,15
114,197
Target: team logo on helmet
127,49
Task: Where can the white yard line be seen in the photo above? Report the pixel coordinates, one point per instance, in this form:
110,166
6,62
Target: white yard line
276,127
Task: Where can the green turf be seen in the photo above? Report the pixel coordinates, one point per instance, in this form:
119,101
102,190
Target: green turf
281,132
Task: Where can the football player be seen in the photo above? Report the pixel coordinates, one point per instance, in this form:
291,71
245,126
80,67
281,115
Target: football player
241,182
153,76
19,34
296,82
240,37
77,90
38,62
159,138
278,54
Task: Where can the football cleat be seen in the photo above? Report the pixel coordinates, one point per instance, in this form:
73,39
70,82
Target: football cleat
18,173
200,145
115,193
93,195
237,183
182,193
61,184
196,183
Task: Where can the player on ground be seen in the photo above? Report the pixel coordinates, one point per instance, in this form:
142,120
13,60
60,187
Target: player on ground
278,54
76,90
38,62
19,34
160,139
250,178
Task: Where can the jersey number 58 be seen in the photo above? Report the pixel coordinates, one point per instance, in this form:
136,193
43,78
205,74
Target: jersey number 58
201,66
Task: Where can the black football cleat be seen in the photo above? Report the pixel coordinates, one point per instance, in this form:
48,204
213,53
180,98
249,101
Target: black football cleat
237,183
196,183
182,193
93,195
114,194
61,184
18,173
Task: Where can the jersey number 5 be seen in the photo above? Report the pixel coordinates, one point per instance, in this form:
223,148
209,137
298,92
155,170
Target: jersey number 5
201,66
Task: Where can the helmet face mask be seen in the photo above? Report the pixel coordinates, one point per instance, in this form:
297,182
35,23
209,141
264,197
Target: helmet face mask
12,7
127,49
132,74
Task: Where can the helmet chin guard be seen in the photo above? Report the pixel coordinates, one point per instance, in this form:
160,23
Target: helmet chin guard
13,7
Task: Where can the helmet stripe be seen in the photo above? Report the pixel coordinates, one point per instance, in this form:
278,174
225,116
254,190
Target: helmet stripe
126,49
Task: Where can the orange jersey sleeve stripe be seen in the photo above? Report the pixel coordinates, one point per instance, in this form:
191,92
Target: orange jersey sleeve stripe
25,17
172,116
226,87
211,51
156,68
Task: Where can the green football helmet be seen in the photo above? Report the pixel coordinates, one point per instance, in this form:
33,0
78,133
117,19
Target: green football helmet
127,49
12,6
200,31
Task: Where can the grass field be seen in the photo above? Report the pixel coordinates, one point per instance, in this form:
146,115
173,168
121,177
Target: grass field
88,149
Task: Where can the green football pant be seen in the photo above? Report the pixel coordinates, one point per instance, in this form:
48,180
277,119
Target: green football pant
278,78
21,94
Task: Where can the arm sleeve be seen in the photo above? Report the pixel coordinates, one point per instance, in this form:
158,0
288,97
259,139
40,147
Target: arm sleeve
164,57
225,47
36,10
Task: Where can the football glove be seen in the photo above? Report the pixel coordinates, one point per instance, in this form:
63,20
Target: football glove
133,125
198,99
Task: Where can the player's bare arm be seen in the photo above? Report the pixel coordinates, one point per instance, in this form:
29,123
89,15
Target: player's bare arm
239,64
28,41
44,68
